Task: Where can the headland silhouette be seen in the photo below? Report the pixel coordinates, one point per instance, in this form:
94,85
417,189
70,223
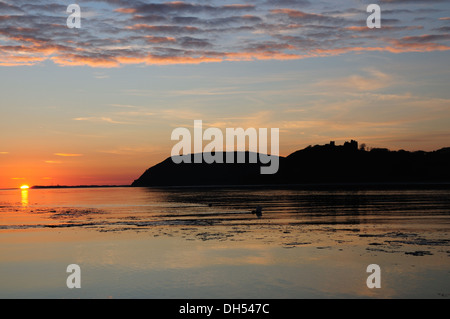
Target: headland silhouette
329,163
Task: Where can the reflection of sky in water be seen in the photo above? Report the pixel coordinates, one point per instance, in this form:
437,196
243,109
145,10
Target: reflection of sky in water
134,266
296,250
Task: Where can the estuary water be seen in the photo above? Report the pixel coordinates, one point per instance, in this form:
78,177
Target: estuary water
309,242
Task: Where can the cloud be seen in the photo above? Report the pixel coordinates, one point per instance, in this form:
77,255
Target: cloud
371,80
124,106
180,7
126,10
100,76
67,154
163,29
99,119
133,151
442,29
6,7
177,32
304,17
53,162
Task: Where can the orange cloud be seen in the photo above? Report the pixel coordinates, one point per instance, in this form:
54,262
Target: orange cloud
126,10
17,60
68,154
416,47
264,55
290,12
397,47
161,60
79,60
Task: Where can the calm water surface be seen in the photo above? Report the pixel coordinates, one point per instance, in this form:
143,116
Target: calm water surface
206,243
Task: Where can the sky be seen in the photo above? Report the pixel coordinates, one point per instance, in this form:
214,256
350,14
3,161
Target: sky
97,105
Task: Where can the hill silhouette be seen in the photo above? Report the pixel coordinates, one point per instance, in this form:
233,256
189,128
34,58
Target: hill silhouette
167,173
328,163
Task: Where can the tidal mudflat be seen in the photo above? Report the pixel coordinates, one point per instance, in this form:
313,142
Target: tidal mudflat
207,243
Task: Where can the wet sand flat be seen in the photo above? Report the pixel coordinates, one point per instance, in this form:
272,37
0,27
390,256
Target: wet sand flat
206,243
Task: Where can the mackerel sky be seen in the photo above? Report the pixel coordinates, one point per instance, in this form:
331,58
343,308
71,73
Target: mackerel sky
98,104
118,33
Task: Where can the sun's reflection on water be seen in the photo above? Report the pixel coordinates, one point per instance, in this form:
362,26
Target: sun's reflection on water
24,197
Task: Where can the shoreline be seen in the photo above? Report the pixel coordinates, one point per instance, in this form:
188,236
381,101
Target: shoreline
318,185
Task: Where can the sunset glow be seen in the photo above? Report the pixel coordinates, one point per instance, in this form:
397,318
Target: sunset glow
101,101
225,149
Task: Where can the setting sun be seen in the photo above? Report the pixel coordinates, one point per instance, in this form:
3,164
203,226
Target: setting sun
24,187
